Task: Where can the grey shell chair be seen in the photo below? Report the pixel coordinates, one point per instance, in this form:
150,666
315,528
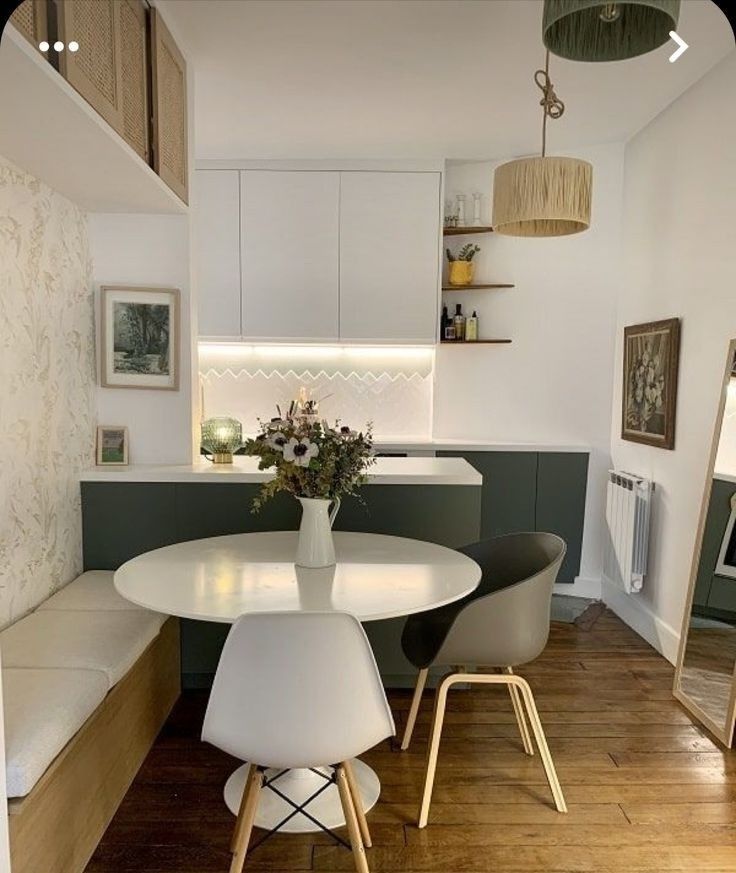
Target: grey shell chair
502,624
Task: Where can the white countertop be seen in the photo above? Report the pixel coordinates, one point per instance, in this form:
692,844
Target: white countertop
725,477
429,444
386,471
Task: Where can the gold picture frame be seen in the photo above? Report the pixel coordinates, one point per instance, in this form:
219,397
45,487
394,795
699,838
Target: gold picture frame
139,337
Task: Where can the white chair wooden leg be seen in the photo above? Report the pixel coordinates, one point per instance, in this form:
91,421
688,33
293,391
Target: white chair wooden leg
246,816
433,747
358,804
519,713
544,753
414,708
351,819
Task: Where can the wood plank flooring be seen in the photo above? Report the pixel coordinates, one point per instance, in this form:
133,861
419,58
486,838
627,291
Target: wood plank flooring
648,791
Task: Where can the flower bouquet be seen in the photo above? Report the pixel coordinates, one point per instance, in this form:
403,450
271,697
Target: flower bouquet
319,465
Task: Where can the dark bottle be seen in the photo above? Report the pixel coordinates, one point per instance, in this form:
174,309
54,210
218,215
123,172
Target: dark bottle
459,321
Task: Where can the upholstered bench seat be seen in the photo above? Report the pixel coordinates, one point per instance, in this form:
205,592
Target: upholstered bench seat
43,711
107,641
91,592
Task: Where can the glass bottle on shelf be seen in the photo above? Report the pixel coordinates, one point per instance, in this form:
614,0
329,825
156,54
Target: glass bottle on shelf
460,198
471,328
459,321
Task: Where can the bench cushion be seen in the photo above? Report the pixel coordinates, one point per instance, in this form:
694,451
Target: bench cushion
110,642
92,591
43,709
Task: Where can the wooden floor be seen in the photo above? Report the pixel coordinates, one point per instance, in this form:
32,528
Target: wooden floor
647,789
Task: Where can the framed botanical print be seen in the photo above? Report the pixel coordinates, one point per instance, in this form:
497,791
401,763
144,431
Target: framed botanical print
139,337
651,360
112,446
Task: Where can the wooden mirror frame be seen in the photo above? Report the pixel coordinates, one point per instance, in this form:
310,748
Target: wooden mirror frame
724,733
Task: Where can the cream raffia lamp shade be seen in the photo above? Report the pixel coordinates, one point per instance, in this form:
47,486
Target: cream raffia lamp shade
542,196
601,30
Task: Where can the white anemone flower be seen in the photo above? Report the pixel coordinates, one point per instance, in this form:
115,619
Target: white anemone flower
277,441
300,452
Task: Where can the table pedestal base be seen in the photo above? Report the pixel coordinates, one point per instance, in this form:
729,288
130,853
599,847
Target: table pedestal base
299,785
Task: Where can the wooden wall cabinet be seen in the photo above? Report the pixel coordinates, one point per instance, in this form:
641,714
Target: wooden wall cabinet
170,128
31,19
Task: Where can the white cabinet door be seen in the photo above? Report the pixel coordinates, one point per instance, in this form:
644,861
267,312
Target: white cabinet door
389,256
217,252
290,238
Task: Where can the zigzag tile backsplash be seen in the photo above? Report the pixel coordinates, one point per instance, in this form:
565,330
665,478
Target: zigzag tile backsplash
392,388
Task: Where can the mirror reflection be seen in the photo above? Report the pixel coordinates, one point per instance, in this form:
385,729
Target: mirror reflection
706,674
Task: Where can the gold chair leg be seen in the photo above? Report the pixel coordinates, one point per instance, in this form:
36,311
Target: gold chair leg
519,713
544,753
246,816
433,747
358,804
414,708
351,819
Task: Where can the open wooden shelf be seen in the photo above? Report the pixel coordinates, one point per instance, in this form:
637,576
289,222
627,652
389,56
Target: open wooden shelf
479,342
463,231
50,131
475,287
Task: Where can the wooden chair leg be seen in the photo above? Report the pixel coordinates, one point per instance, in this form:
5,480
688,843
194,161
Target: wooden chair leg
438,717
358,804
414,708
519,713
246,816
544,753
351,819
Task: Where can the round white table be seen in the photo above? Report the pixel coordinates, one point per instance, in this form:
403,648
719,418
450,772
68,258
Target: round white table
221,578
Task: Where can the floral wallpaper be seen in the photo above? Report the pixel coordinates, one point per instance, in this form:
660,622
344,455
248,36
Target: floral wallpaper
47,381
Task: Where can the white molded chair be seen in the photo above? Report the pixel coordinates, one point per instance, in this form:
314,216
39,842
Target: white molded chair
298,690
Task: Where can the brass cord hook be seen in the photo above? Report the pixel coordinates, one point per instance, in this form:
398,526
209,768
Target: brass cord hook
551,104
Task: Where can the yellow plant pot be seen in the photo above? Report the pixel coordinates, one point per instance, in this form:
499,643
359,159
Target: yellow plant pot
461,272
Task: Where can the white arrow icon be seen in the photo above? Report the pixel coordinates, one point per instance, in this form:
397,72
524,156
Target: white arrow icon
683,46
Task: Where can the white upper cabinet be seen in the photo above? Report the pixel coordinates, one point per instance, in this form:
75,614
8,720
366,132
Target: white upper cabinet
217,248
389,250
290,237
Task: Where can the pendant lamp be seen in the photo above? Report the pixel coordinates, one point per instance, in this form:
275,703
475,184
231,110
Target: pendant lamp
543,196
595,30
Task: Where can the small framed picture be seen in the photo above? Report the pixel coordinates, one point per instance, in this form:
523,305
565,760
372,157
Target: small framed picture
139,333
651,362
112,446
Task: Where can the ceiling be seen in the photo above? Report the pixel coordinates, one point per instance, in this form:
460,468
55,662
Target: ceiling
413,78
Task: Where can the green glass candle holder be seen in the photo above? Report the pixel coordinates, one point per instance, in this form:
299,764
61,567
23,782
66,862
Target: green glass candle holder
220,438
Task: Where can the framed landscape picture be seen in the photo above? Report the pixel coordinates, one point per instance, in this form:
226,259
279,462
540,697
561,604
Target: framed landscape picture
112,446
651,360
139,337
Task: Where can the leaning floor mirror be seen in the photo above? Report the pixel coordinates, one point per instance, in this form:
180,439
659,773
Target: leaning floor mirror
705,680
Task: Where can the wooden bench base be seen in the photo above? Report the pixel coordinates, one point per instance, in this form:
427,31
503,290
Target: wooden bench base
56,828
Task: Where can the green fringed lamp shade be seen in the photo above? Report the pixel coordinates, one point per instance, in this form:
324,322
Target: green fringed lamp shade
543,196
595,30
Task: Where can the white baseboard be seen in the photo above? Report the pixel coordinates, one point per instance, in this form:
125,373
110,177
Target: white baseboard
581,587
637,614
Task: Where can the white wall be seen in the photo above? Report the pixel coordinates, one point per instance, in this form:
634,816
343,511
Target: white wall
553,383
679,225
148,250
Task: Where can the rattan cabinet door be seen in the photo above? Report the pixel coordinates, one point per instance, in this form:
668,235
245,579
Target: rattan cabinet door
170,158
30,19
134,59
95,69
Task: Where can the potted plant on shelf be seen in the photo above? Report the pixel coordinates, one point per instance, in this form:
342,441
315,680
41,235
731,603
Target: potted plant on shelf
461,265
319,465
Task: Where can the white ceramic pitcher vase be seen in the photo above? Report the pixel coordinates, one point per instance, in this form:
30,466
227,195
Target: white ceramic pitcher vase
316,547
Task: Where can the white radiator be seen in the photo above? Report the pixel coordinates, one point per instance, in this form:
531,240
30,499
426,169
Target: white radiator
628,504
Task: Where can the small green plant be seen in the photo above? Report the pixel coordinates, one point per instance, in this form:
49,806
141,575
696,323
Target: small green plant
466,253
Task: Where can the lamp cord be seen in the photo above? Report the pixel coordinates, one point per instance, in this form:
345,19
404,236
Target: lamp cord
551,105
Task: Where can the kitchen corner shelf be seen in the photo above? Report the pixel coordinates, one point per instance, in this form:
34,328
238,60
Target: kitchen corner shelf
475,287
464,231
479,342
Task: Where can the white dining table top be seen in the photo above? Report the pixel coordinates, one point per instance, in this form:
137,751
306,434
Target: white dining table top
220,578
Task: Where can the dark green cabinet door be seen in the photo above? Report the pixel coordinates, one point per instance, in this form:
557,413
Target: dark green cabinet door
124,519
562,479
509,490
